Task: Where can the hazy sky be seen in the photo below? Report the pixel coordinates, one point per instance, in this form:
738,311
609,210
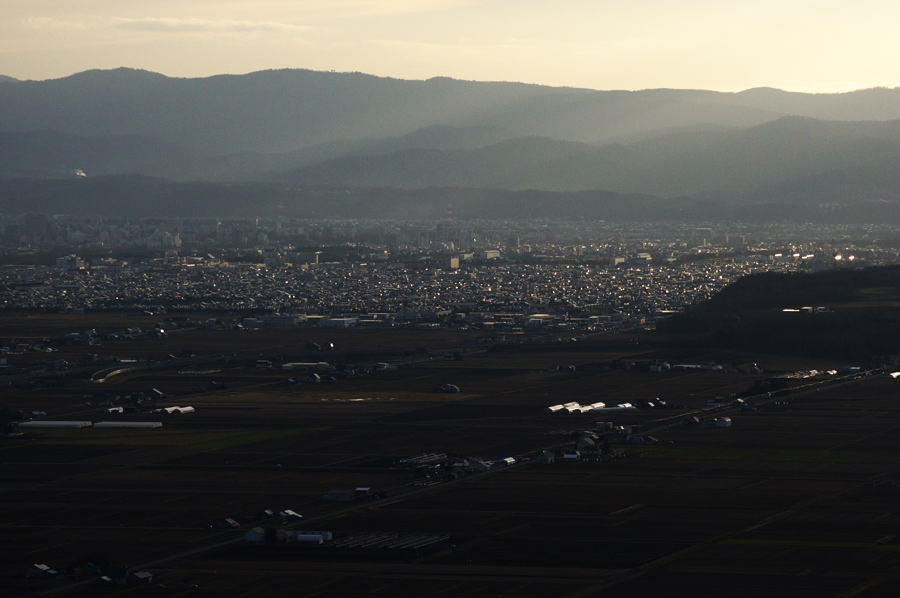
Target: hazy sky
727,45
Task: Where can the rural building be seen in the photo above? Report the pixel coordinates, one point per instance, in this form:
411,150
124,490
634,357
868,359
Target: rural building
570,455
299,366
40,570
255,535
479,465
143,578
338,322
139,425
55,424
339,495
283,319
586,444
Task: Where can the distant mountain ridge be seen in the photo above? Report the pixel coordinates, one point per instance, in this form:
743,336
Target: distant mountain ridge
759,147
286,110
671,165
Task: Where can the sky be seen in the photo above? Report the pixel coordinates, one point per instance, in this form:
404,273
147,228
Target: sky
817,46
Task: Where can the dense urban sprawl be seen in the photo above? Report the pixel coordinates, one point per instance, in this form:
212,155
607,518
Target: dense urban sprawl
345,273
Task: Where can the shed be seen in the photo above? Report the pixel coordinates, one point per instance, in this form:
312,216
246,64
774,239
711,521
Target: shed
339,495
284,535
40,570
479,465
128,425
255,535
119,574
55,424
586,443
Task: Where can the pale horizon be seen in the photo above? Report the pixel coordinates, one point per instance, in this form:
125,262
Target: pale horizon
794,45
828,88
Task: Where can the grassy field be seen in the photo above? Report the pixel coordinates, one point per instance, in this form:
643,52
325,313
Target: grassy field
799,497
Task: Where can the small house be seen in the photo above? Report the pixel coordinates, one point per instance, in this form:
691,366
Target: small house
479,465
255,535
142,578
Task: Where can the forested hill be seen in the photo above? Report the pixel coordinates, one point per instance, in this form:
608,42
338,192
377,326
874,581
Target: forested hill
855,314
761,154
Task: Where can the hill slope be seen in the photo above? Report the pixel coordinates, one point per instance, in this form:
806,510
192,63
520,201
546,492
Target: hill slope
284,110
861,320
758,154
781,152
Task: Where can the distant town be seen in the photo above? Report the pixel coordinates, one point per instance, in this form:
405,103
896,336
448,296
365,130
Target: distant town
343,273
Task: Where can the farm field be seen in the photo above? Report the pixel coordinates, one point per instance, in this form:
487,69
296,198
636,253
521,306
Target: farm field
797,497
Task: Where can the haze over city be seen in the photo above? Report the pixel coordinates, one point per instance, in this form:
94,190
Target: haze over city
379,298
797,45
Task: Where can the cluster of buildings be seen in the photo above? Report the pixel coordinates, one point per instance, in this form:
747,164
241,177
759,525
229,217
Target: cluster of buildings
350,294
576,408
485,239
360,273
104,577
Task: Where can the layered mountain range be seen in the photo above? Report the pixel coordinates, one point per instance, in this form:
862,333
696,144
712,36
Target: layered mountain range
761,153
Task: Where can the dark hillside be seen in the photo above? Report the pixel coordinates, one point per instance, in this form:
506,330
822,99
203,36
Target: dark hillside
855,314
153,197
53,154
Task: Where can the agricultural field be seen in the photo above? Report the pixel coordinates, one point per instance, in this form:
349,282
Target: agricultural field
799,496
